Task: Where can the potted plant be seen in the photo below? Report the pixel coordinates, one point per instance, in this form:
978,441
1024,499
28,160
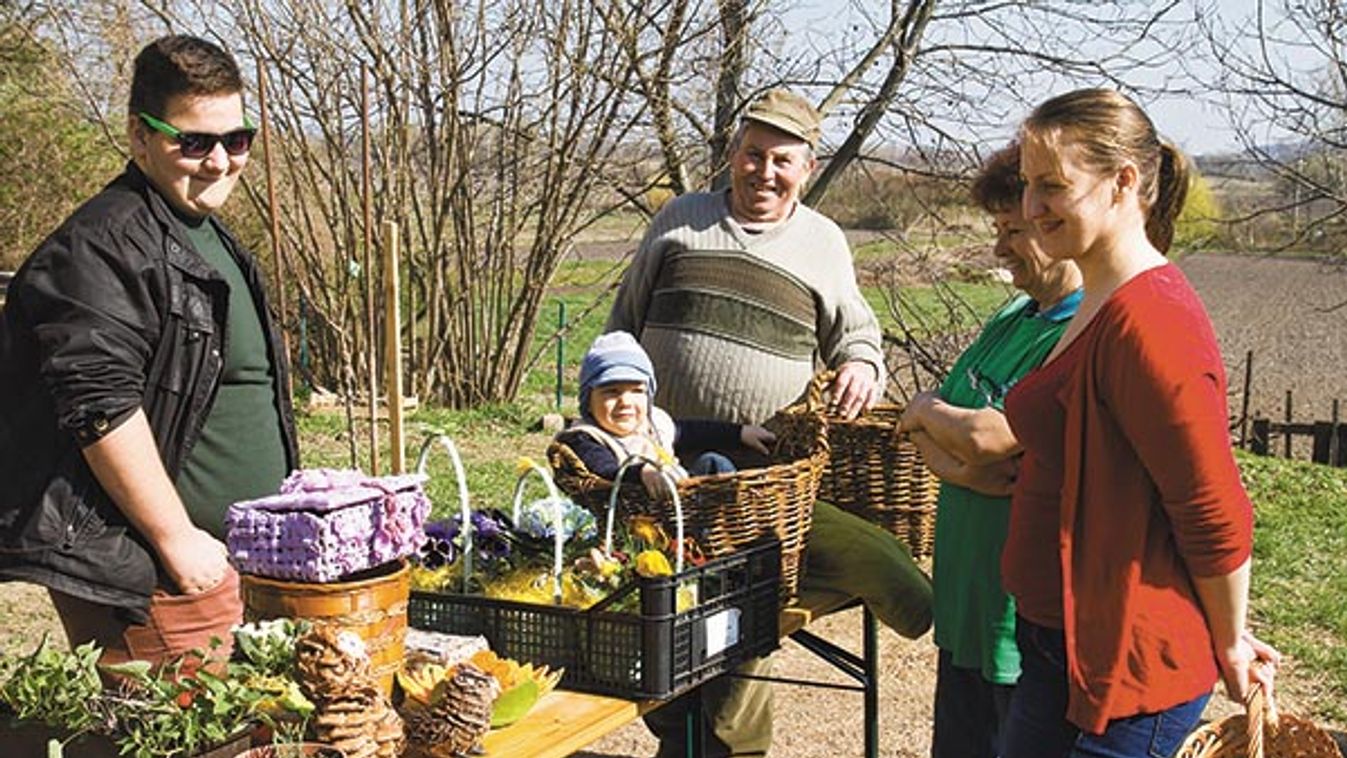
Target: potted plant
194,706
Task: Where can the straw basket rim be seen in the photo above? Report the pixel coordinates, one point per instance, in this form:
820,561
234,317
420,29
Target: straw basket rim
1274,735
369,577
873,470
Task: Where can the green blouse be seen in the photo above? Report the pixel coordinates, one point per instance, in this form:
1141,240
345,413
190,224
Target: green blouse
974,617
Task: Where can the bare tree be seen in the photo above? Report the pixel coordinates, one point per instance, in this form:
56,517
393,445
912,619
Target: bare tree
926,88
502,128
496,127
1283,76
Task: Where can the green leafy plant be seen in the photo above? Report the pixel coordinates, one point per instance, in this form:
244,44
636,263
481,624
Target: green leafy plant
269,646
168,712
188,705
53,686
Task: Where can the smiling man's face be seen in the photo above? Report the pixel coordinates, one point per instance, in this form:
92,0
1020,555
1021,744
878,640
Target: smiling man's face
767,171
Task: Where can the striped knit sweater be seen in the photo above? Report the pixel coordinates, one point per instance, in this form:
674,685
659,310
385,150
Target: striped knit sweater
734,321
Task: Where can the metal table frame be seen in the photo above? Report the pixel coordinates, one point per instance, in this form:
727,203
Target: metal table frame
863,668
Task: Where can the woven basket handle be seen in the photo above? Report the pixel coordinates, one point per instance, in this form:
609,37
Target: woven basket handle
813,398
1261,719
465,511
556,501
669,483
818,387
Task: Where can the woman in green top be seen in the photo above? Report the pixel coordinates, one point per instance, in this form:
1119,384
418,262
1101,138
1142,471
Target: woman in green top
962,433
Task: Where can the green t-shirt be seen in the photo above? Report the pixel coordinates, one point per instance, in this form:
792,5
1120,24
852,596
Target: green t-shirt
974,617
240,454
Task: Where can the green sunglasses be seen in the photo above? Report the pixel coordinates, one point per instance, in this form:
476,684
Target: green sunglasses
200,144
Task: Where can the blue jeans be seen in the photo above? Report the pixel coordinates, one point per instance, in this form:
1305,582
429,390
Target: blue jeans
1037,727
969,711
711,463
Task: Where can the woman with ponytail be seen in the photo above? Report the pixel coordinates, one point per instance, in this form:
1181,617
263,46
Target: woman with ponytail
1126,625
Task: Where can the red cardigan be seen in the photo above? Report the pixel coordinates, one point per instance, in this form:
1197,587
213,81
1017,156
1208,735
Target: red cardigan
1150,497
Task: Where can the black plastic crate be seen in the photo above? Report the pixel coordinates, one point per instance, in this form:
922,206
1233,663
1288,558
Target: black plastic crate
656,654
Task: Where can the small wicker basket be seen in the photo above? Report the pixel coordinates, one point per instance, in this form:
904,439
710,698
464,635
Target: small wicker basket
726,512
875,472
1262,733
372,604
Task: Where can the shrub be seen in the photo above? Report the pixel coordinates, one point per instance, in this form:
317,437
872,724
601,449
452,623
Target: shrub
1199,224
55,158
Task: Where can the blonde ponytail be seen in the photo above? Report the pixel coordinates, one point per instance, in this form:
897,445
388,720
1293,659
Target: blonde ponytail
1171,190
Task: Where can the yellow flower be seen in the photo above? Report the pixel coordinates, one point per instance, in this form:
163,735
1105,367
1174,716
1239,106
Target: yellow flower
687,597
599,563
431,580
609,567
648,531
652,563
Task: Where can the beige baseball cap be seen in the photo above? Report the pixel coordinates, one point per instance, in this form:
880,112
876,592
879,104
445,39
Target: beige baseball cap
784,110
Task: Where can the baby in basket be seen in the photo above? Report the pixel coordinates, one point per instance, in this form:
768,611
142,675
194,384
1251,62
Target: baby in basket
618,419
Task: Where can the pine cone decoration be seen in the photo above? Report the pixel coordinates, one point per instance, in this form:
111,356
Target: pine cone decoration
460,715
352,713
332,663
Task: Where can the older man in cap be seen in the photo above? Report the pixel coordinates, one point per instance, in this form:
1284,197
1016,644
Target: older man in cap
738,296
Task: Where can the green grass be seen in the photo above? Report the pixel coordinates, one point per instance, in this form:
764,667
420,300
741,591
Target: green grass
972,303
1300,570
489,441
887,248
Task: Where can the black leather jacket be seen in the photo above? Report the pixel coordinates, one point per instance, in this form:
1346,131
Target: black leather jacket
114,311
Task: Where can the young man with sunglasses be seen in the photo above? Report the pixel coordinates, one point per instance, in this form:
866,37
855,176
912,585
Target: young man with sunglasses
142,383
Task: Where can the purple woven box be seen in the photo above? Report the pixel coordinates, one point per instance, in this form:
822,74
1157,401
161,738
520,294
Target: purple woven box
326,523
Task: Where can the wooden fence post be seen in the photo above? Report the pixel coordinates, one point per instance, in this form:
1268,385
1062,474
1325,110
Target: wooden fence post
1323,442
1244,403
393,344
367,243
1262,429
1287,432
1341,460
1335,452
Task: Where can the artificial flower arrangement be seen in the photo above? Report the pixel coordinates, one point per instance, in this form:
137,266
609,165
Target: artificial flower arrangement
548,551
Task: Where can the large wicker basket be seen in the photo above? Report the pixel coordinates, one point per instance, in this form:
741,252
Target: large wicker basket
1262,733
725,512
875,472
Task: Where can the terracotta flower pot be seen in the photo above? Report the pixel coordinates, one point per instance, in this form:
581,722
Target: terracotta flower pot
293,750
25,738
229,748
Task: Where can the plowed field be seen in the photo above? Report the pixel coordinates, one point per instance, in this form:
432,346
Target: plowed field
1282,310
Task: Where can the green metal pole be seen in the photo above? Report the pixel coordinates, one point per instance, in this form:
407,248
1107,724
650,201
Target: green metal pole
561,346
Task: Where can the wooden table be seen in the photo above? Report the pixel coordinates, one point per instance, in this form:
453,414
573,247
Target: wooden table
562,723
